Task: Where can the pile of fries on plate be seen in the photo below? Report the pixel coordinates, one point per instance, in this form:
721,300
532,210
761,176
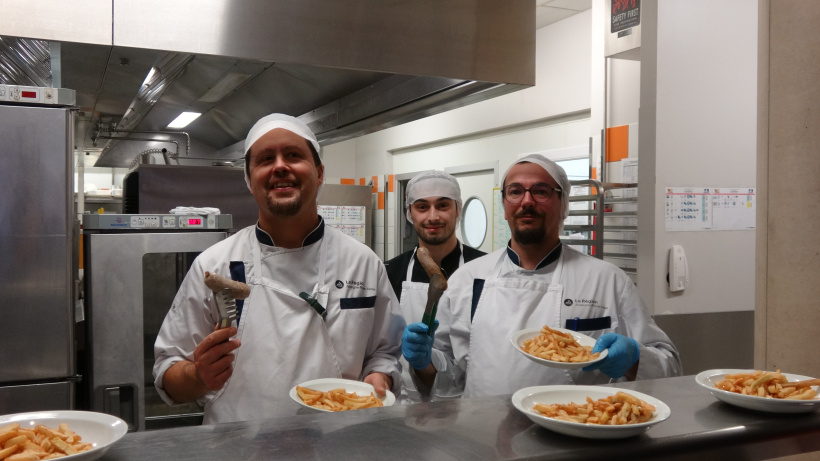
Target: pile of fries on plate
768,384
618,409
337,399
558,346
20,444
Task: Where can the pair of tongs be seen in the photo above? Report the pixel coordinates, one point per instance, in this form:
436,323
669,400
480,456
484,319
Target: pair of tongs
438,283
226,292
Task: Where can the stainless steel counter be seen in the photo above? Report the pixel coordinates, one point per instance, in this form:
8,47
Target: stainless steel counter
700,428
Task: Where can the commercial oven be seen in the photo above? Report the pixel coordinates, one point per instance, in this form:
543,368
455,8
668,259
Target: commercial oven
133,266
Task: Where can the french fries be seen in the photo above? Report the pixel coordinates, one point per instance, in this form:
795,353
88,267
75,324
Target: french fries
558,346
337,399
618,409
768,384
21,444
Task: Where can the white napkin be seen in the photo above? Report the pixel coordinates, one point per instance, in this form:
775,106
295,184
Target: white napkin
194,210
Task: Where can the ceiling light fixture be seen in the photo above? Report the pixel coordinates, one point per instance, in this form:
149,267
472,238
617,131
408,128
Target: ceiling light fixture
184,119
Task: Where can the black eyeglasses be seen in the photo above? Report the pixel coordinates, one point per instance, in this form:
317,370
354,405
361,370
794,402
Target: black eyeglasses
540,192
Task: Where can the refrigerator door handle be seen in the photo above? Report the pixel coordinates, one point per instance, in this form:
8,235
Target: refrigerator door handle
120,401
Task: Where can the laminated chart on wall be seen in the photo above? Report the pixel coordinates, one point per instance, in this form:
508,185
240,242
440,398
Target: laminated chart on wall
501,230
350,220
710,208
688,208
733,208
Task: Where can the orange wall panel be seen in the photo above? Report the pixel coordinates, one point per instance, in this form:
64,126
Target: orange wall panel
617,143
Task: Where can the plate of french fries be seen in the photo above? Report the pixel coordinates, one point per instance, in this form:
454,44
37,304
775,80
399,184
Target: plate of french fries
593,412
332,394
770,391
557,347
69,435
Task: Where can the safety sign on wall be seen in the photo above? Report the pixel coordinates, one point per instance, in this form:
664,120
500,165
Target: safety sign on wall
710,208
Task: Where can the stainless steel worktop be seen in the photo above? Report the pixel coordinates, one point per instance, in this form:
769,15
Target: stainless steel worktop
484,428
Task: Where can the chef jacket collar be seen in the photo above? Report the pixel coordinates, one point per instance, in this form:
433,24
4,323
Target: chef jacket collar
314,236
551,257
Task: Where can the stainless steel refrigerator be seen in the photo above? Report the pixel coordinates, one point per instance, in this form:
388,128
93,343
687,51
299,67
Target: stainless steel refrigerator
37,255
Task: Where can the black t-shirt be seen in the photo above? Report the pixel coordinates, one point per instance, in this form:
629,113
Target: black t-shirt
397,267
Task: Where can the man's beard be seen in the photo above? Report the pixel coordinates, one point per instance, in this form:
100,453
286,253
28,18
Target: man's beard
287,207
425,237
433,240
531,235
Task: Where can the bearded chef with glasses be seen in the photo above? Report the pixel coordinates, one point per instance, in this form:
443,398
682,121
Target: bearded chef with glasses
536,281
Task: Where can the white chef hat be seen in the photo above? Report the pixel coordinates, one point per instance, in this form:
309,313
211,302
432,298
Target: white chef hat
432,183
554,170
270,123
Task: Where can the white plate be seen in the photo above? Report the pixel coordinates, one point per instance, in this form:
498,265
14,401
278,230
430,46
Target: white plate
526,398
328,384
708,378
99,429
518,339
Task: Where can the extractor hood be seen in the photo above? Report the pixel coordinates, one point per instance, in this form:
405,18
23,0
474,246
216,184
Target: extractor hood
345,67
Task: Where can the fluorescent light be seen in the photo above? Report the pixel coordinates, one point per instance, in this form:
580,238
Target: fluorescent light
149,77
184,119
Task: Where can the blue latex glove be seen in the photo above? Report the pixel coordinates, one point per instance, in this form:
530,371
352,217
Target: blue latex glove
417,346
623,353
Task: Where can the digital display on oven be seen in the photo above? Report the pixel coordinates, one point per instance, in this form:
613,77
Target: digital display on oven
194,221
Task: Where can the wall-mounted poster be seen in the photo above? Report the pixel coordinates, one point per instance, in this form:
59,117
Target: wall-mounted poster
710,208
348,219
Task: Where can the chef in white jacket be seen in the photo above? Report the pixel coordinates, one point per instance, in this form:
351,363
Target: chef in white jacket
537,281
433,206
351,328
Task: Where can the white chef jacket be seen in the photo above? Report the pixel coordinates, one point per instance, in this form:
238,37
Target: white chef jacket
284,341
512,299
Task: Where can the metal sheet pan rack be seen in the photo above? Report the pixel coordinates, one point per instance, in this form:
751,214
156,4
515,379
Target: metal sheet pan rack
603,223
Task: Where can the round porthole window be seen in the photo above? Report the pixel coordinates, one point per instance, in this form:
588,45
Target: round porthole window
474,224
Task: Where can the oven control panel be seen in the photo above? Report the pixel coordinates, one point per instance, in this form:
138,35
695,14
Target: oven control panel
37,95
149,222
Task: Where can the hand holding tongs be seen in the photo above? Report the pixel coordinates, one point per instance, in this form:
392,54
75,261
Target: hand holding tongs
226,292
438,283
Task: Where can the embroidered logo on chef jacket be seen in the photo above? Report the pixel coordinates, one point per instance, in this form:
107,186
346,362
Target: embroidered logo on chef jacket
356,284
582,303
340,284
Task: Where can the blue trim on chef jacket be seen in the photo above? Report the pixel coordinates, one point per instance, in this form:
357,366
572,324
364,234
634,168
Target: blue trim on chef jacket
366,302
599,323
237,269
314,236
549,259
478,287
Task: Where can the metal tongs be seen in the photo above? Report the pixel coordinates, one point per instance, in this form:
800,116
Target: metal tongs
438,283
226,292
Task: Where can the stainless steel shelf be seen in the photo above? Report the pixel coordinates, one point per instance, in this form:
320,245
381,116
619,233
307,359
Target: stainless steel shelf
597,196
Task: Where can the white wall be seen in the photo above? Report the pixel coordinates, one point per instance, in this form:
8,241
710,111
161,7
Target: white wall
698,128
504,147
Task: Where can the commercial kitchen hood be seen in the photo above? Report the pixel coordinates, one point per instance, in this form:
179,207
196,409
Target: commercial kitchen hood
346,67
